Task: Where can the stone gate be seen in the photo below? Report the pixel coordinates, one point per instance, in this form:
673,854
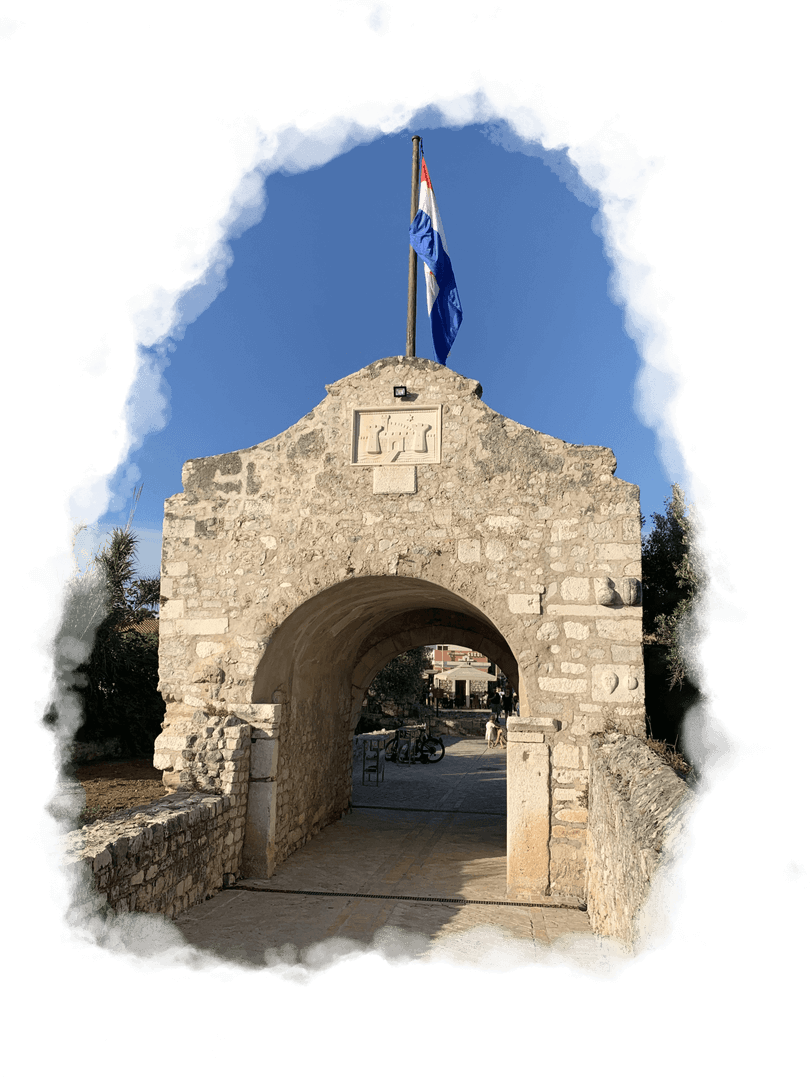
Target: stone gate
401,511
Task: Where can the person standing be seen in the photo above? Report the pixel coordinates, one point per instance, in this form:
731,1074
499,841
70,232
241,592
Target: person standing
492,727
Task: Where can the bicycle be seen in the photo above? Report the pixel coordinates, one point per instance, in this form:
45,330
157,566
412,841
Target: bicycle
413,744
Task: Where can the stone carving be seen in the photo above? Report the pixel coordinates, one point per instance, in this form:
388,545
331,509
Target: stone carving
608,594
630,590
632,683
397,436
605,593
610,680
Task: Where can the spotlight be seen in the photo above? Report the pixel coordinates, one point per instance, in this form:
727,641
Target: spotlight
400,391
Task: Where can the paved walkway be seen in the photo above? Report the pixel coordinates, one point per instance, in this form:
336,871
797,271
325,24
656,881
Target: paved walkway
392,875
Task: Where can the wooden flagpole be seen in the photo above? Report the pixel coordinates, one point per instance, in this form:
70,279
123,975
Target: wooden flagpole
410,339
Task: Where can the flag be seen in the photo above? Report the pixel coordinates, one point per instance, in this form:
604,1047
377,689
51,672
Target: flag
427,240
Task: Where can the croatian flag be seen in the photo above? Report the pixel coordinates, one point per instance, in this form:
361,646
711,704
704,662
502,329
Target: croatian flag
427,240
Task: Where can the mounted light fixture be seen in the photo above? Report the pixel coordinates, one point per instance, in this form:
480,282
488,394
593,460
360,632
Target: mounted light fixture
400,391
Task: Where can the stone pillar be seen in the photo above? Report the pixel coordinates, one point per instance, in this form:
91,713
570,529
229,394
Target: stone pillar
259,852
528,799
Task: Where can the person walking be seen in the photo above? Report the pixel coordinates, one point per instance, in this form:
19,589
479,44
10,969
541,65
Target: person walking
498,703
500,738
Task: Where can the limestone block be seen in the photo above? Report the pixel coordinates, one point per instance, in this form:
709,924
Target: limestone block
566,795
528,818
627,654
172,609
175,569
469,551
531,728
562,686
493,521
179,527
524,603
201,627
394,480
574,588
619,629
589,724
573,832
616,683
602,530
616,552
565,756
263,758
566,529
548,631
577,631
209,648
496,550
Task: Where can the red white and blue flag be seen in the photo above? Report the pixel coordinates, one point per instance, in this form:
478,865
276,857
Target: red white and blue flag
427,240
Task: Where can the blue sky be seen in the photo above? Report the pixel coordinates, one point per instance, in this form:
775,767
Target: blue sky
317,290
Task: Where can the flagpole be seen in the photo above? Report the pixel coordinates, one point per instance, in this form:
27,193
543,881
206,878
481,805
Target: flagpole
410,339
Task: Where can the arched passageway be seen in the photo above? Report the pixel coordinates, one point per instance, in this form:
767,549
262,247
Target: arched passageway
318,667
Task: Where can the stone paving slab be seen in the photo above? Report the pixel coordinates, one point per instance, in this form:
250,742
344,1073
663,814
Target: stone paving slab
448,845
469,778
259,928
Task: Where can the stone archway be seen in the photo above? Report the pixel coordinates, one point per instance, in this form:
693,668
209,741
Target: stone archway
317,668
293,570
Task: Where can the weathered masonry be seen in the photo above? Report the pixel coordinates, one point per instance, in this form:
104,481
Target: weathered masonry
385,519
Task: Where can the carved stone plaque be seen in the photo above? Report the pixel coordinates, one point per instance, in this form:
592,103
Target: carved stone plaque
398,436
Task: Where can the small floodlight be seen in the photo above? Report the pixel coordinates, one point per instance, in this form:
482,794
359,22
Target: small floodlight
400,391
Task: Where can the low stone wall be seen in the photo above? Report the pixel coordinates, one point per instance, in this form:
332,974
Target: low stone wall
175,852
164,857
637,806
460,722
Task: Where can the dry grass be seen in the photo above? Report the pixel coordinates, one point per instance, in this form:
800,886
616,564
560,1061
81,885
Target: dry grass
696,778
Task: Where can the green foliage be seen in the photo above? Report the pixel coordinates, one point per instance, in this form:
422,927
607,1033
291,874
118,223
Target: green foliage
401,681
673,577
663,550
120,696
106,670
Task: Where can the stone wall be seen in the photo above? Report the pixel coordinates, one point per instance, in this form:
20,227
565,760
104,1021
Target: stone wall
176,852
164,857
637,808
